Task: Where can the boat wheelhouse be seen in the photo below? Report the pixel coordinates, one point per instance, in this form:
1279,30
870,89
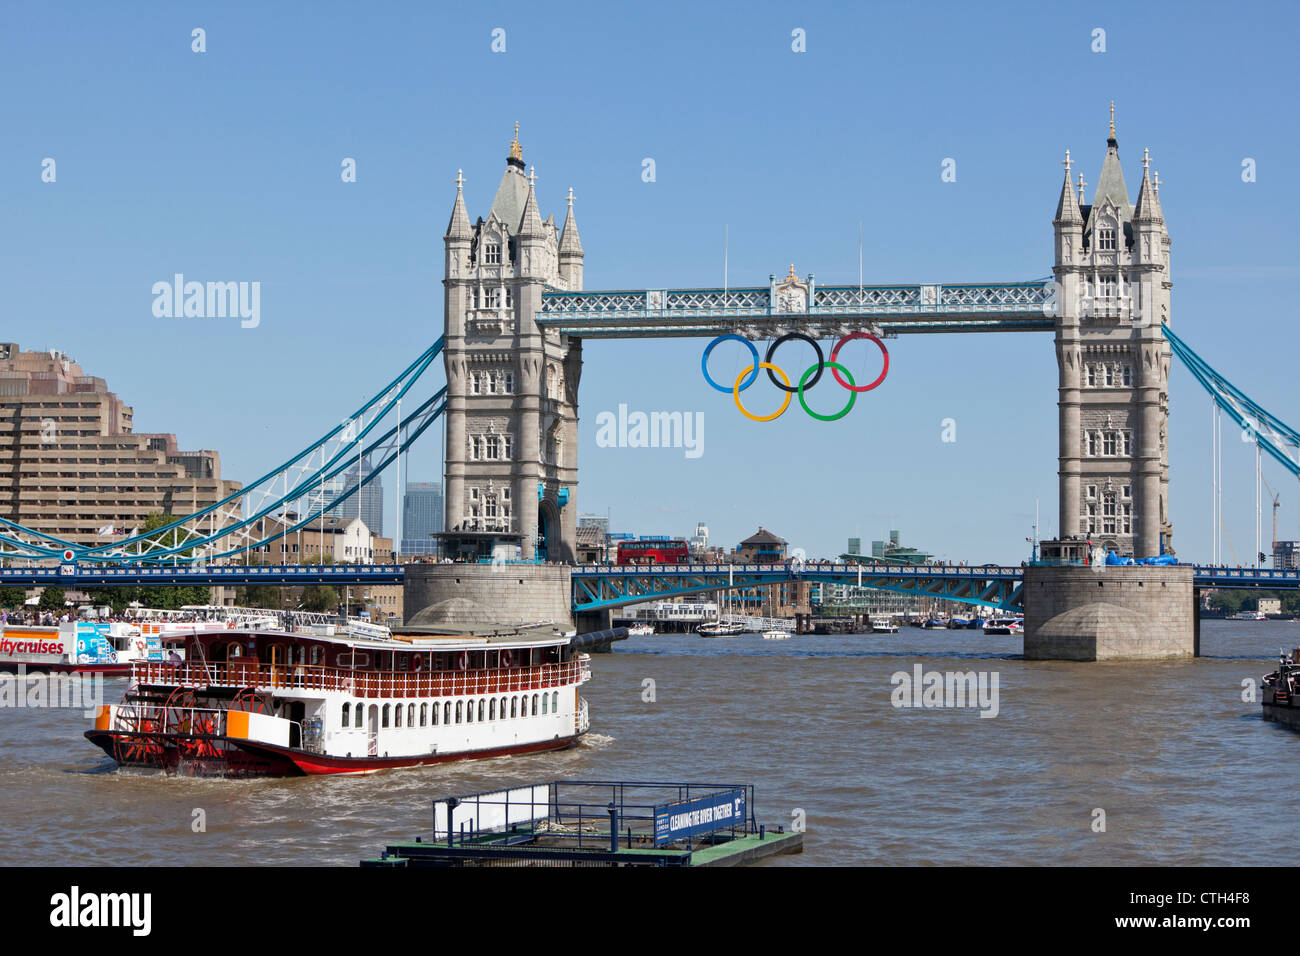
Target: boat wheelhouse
246,702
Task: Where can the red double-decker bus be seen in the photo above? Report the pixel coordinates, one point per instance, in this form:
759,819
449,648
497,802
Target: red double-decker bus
671,551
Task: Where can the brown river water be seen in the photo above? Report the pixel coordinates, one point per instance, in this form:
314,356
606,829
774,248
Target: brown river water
1186,772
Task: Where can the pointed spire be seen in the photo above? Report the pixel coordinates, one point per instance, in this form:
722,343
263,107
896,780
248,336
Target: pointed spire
1110,184
530,223
1067,210
570,244
1148,203
458,227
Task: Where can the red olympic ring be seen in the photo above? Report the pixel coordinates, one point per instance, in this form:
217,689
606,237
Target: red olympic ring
835,352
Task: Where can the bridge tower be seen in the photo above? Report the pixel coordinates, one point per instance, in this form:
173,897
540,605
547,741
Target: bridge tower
1113,283
512,390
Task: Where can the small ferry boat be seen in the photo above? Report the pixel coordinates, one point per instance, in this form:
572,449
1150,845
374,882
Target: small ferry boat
884,627
640,630
1279,689
1004,625
935,624
777,634
247,702
78,647
1249,616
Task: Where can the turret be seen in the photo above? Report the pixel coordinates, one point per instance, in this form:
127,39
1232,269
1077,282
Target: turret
571,254
459,234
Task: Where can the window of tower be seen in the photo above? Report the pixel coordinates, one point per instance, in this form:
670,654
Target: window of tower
1106,238
1126,519
1109,443
492,254
510,383
1127,375
1092,374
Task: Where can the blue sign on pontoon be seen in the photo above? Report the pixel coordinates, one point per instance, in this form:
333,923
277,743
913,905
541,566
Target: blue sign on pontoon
717,811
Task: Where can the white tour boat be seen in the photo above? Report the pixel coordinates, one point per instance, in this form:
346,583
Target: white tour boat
777,634
884,627
1249,616
246,702
641,630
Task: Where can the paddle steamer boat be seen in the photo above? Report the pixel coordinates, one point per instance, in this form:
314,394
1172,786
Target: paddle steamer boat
247,702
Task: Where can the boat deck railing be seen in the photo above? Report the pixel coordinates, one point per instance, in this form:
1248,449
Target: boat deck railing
360,683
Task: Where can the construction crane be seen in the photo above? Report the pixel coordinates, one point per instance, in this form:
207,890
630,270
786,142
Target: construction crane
1277,499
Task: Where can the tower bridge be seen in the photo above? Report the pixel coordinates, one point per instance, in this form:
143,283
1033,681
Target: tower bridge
516,314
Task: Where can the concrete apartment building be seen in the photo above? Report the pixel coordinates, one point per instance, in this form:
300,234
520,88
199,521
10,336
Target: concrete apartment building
71,465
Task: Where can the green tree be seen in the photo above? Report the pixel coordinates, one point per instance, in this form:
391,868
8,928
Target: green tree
11,596
319,597
52,599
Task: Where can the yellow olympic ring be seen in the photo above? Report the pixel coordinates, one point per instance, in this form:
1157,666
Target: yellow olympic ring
735,393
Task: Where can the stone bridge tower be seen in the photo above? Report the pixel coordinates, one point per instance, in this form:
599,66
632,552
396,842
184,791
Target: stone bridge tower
1113,282
512,389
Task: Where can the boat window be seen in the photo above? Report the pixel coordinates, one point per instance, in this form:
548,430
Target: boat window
480,709
555,702
469,712
386,708
410,715
514,706
502,709
492,709
347,712
397,716
545,702
446,712
459,706
360,712
436,709
317,655
424,715
235,650
534,705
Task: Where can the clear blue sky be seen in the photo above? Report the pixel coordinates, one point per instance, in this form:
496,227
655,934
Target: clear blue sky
225,166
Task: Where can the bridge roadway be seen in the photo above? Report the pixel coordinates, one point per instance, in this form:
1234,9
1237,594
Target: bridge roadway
599,586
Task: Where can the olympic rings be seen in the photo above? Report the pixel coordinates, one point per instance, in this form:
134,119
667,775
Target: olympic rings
835,352
749,374
853,394
735,392
771,350
704,362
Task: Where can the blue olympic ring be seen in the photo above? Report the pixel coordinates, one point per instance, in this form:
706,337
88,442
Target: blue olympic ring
704,362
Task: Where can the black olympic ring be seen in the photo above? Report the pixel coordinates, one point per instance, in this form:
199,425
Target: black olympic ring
821,361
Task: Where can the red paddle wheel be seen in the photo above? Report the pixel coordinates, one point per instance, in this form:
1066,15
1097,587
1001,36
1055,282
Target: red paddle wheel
136,742
251,701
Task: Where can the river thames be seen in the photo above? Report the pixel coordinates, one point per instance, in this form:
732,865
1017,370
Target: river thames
1185,771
